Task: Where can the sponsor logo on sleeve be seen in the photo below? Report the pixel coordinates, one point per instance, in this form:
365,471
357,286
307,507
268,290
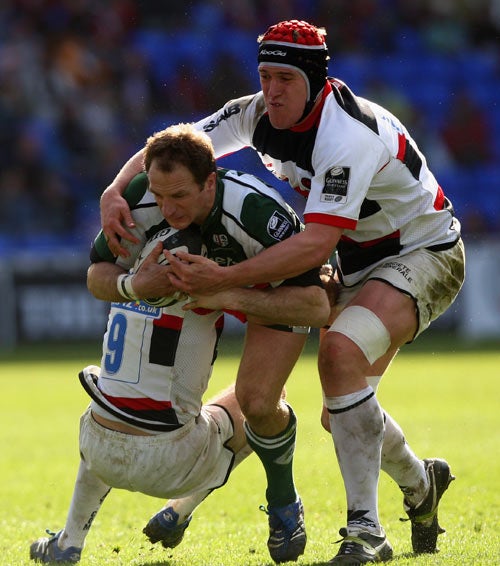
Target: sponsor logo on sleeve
279,226
225,115
336,184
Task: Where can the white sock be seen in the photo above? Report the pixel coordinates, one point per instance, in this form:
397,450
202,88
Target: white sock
400,462
88,494
357,426
398,459
185,506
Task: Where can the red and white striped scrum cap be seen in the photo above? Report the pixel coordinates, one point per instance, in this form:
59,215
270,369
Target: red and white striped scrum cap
300,45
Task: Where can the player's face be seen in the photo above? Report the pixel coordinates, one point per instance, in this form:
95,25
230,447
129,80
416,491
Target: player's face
181,199
285,95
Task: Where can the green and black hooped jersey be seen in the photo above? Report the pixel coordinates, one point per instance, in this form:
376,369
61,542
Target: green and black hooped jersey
156,362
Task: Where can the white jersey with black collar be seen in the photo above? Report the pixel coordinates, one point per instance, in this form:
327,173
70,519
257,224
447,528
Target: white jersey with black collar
359,169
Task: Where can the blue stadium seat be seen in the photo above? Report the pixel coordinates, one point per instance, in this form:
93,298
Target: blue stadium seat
155,46
195,48
474,190
437,68
486,190
432,98
485,92
495,128
397,71
456,186
355,70
478,65
242,46
409,41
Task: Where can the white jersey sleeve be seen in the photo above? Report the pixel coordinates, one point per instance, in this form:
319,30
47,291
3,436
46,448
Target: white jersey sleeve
343,171
231,128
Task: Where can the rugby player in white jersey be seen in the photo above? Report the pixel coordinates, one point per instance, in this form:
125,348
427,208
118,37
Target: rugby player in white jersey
372,200
146,428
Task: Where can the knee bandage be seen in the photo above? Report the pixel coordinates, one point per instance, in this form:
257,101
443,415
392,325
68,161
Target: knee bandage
365,329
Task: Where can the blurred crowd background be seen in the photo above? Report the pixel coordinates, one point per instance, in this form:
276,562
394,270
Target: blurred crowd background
84,82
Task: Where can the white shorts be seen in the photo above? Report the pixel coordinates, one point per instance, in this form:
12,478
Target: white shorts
168,465
432,279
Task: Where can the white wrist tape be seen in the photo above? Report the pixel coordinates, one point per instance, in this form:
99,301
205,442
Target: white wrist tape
124,286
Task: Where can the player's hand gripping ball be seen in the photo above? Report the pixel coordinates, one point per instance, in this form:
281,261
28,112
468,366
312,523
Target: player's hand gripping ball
187,240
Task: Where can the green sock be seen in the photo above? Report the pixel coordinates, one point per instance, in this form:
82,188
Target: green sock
276,455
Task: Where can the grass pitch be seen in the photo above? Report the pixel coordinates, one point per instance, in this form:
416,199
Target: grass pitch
446,402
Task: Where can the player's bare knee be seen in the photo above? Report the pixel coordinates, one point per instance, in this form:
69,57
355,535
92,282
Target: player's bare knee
265,415
325,420
338,355
244,396
257,408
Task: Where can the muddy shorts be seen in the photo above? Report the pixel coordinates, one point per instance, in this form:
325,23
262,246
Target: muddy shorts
433,279
168,465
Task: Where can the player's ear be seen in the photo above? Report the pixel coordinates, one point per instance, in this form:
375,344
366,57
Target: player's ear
211,181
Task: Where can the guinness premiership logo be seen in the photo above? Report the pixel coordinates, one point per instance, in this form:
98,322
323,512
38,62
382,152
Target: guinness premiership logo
279,227
336,184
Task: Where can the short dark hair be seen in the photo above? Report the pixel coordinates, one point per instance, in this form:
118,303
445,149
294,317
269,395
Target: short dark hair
181,144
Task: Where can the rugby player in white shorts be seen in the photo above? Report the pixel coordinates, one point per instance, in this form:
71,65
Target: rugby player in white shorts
372,200
146,428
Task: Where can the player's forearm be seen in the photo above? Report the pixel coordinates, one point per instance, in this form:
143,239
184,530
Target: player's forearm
294,306
285,260
101,281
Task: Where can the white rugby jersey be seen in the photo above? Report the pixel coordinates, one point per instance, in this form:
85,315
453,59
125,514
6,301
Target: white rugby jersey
358,168
156,363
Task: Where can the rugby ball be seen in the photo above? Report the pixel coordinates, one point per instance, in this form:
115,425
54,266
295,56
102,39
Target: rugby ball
187,240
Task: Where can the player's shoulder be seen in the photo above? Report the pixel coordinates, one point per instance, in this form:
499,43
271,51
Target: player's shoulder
259,207
356,114
249,103
237,110
242,179
238,186
349,127
136,190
